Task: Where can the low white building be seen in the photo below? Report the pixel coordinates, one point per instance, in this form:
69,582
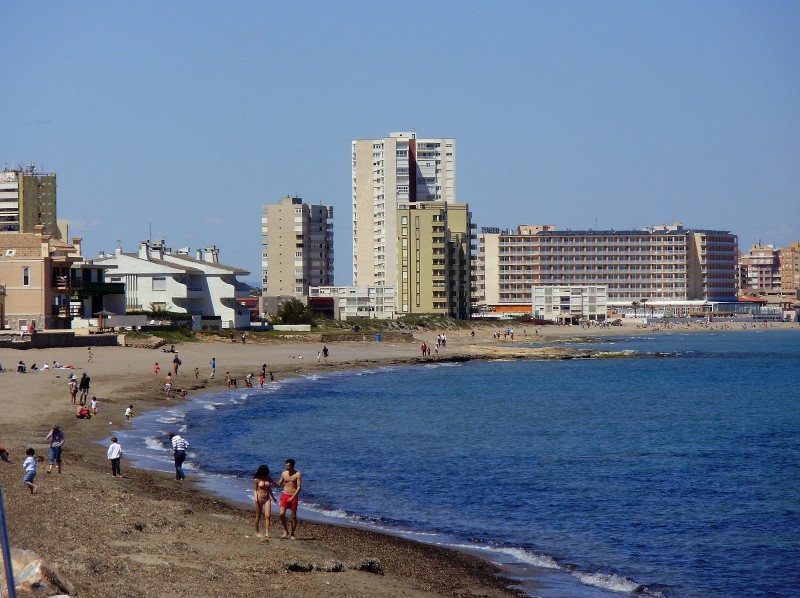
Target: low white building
570,303
158,278
356,302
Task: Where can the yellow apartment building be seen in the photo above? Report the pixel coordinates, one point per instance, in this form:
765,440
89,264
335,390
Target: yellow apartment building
434,248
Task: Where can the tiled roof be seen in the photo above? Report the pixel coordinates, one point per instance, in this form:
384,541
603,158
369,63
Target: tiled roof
29,245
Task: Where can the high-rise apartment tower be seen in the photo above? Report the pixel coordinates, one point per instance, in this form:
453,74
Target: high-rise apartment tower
27,199
386,173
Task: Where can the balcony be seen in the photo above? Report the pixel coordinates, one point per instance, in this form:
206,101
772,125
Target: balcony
60,311
65,284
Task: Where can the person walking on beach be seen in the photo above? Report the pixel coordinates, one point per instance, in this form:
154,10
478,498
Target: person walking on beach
129,413
196,373
114,455
262,495
325,353
213,364
292,482
30,467
83,386
156,368
176,363
179,446
56,438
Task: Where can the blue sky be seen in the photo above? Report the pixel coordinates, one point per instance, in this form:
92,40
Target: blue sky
185,117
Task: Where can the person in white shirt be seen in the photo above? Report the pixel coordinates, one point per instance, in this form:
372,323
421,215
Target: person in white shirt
179,446
115,455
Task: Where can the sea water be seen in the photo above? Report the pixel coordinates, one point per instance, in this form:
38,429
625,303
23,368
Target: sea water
671,472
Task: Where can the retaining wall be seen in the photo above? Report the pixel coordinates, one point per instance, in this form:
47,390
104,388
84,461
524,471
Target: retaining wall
57,339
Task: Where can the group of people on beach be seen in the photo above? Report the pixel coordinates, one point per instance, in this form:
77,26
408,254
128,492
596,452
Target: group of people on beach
290,480
31,466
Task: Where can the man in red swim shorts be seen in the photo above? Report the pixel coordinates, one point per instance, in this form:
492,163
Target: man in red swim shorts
292,481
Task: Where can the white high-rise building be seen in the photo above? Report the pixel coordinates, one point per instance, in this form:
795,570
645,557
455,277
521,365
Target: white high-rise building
386,172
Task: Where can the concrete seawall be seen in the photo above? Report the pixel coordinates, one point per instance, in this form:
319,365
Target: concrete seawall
57,339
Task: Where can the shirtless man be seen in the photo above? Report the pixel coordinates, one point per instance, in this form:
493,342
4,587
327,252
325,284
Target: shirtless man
292,481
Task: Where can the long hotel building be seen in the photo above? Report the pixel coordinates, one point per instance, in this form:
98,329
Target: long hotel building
398,169
662,264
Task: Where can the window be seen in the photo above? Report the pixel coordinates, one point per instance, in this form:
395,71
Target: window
26,276
159,284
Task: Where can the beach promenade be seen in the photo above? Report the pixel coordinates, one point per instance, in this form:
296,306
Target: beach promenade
147,535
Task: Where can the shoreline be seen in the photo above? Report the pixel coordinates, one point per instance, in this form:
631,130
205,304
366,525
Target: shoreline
148,524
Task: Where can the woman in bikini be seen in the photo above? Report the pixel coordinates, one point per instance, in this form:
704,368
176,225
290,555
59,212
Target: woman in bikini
262,495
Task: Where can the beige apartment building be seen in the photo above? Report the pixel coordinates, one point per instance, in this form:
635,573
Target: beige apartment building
297,247
28,199
398,169
38,280
760,269
662,264
434,249
790,270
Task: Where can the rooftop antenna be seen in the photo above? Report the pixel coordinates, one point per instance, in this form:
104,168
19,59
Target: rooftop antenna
150,231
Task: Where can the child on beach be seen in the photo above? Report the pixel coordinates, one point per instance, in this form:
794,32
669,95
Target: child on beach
196,373
30,467
156,368
114,455
129,413
95,406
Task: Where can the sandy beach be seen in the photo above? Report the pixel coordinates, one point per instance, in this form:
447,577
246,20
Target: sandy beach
148,535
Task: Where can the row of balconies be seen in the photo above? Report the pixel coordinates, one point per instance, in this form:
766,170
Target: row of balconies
592,265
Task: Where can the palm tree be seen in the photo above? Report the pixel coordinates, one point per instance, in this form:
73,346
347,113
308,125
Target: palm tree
635,305
644,306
